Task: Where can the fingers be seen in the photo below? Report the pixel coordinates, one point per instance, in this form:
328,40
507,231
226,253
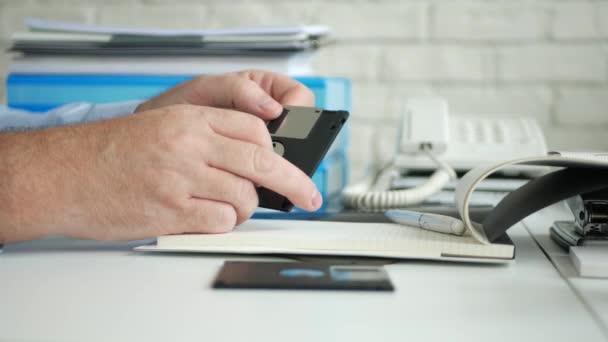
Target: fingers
238,125
282,88
265,168
255,92
240,93
217,185
206,216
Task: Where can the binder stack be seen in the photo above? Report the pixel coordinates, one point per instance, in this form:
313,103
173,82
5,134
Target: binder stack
58,63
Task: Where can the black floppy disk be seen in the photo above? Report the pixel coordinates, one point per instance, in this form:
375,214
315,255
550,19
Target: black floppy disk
301,276
302,135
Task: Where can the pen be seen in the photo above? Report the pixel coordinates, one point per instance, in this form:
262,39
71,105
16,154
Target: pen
432,222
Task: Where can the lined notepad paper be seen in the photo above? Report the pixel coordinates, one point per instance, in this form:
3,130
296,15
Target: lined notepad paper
334,238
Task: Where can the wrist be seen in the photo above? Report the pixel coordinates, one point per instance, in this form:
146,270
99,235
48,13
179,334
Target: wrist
12,210
43,173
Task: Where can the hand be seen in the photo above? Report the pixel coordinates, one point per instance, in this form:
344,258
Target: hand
171,170
255,92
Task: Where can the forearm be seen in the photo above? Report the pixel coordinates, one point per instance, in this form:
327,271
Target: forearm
73,113
39,171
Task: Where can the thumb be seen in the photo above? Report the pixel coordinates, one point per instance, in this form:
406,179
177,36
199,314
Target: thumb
239,93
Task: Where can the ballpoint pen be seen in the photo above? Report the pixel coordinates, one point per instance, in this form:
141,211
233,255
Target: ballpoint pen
433,222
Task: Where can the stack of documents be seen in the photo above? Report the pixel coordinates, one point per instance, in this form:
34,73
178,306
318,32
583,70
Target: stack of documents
74,48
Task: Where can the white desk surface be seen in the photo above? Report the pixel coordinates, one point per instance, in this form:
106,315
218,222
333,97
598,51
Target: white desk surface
592,291
62,290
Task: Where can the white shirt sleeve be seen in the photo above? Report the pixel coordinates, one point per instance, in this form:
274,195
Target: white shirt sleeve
20,120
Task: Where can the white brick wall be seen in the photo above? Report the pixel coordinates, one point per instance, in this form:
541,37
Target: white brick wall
436,63
583,107
357,61
543,58
394,20
162,15
235,13
378,101
580,20
483,20
532,100
12,13
553,62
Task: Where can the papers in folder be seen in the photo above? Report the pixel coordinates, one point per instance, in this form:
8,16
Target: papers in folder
51,37
51,47
61,26
385,240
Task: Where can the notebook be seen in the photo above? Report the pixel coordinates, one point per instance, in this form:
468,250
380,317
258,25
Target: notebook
322,238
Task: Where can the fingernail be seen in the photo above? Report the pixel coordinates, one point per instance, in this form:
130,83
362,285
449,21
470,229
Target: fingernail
270,106
317,200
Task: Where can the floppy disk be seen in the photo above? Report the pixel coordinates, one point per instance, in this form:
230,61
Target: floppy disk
302,135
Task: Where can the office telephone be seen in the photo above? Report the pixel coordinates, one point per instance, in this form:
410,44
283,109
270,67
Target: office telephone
430,139
464,141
